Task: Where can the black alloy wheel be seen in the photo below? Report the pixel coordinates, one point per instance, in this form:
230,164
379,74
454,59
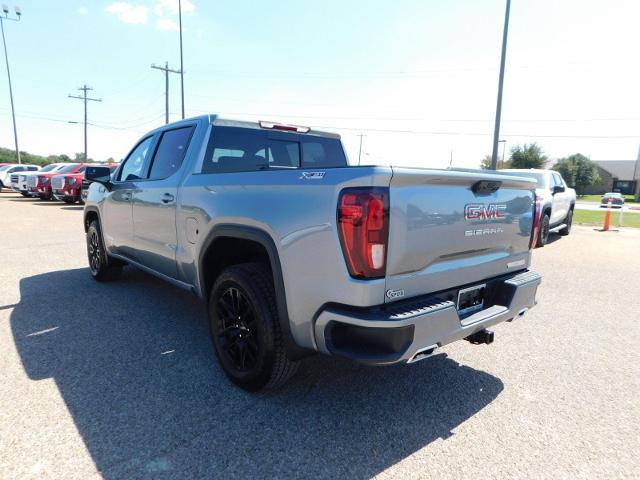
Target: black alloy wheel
237,330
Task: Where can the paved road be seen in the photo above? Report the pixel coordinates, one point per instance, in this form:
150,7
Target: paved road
119,380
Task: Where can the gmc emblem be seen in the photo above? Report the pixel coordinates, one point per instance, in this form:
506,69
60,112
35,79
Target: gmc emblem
478,211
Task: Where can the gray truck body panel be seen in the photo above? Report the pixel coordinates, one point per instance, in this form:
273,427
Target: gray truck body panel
429,247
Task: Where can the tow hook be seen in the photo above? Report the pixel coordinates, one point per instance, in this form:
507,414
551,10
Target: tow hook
481,336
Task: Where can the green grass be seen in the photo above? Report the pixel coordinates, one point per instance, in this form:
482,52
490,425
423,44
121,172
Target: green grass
587,217
598,198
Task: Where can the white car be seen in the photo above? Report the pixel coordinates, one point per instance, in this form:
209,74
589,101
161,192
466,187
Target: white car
556,201
19,180
7,170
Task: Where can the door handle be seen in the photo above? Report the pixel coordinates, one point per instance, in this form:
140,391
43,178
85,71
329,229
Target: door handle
126,196
167,198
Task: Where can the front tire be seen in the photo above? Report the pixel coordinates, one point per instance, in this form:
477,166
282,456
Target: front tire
102,268
568,222
543,235
245,330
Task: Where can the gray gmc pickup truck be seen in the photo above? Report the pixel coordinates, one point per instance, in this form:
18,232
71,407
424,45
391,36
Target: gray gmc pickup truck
297,252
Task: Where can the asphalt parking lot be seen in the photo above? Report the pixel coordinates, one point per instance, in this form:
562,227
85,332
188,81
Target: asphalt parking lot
119,380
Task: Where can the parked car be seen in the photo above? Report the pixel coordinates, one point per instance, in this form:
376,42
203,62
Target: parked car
40,184
297,252
8,169
79,185
617,200
555,199
19,180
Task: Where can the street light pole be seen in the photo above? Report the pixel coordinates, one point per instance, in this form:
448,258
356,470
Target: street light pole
181,63
496,131
18,13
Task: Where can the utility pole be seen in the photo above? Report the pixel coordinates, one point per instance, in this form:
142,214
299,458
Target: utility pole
18,13
86,99
504,147
496,131
181,63
360,151
166,71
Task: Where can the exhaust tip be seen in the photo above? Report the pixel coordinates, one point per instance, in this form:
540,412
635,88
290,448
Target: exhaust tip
422,354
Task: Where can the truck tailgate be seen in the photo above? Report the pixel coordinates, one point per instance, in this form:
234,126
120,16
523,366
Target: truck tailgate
453,228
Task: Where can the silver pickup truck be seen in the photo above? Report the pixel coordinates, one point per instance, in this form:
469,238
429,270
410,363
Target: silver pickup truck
296,252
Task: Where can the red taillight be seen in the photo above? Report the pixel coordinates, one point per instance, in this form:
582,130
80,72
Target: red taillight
537,216
363,224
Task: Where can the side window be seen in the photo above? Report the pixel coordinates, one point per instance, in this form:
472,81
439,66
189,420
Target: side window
235,150
170,153
32,169
322,152
557,180
132,168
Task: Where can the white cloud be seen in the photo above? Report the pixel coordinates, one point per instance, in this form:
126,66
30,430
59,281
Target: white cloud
170,7
83,10
128,12
166,24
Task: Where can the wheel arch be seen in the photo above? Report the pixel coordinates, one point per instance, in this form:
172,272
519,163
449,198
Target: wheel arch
249,244
90,214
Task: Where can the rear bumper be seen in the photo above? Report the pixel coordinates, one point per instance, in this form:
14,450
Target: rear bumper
400,331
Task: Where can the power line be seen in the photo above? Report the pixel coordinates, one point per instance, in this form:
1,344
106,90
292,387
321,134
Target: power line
471,134
359,129
85,99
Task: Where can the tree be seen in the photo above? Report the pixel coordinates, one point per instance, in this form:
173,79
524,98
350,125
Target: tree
528,156
485,164
578,171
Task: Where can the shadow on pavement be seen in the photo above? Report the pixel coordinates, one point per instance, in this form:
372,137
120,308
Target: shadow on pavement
133,362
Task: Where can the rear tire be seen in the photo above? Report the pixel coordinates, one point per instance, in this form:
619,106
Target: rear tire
245,329
568,222
543,234
102,268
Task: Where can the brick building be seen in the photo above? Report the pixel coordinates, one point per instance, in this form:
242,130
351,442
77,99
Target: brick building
617,176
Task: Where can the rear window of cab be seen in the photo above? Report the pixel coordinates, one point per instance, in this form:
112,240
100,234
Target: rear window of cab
234,149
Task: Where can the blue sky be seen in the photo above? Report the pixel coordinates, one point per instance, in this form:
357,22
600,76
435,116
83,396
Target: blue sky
418,78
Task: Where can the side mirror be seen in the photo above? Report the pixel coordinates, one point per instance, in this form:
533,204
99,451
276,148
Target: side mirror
99,174
558,189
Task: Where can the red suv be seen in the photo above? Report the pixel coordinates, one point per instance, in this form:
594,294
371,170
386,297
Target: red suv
67,187
41,184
